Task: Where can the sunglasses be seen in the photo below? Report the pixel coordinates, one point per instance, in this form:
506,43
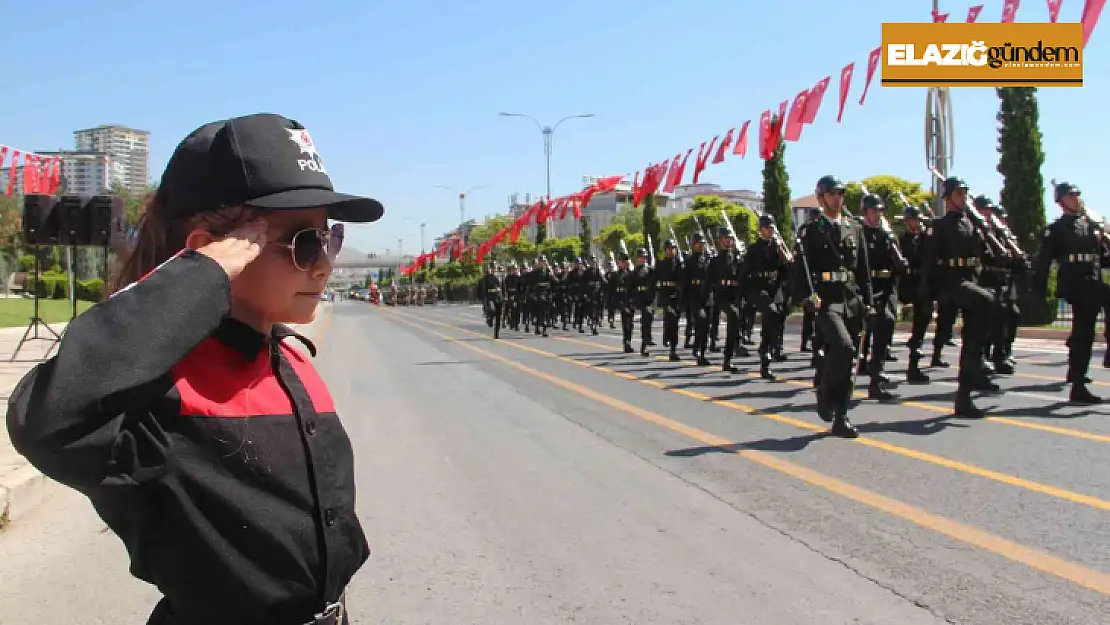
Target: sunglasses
308,246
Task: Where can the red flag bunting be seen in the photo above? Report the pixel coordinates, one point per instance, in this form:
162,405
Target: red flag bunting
973,13
1009,11
699,165
1054,10
676,178
939,17
1091,11
726,143
845,85
813,100
794,121
872,64
742,143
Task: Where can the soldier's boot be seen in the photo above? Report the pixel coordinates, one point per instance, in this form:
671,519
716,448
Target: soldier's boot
1106,359
843,428
727,365
742,351
875,389
1070,378
1081,395
628,348
964,406
765,368
644,348
914,374
805,347
1001,365
987,367
713,345
937,361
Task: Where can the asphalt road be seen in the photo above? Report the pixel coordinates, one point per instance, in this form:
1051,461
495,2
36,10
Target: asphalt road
556,480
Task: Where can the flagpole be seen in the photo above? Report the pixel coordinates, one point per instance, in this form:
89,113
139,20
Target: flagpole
462,204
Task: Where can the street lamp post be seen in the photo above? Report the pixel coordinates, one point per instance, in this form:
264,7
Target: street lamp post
462,205
547,132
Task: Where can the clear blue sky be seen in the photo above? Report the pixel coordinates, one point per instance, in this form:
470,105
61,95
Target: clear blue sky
400,96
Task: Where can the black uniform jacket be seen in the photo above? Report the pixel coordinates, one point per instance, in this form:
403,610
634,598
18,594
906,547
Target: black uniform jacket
213,451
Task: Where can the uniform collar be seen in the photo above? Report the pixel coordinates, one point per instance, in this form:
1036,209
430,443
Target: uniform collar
249,342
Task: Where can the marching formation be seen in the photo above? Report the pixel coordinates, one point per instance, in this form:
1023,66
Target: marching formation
849,275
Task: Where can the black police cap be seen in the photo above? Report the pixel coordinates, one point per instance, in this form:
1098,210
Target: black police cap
1065,188
953,183
911,212
723,232
266,161
828,183
873,201
668,244
766,221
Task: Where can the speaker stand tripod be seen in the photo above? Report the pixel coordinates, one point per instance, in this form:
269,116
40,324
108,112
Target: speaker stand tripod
36,320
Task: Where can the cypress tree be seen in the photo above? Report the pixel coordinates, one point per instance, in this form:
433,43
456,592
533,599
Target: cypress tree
1020,160
651,223
776,190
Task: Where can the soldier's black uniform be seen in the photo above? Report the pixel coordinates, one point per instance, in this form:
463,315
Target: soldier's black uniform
621,288
807,313
762,275
1079,247
491,291
831,266
575,291
512,288
610,302
909,292
643,297
723,287
694,294
540,283
954,250
998,277
668,289
561,301
593,294
886,265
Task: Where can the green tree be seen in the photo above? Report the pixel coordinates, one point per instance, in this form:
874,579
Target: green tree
1020,160
630,216
776,189
890,189
566,248
585,233
492,225
707,211
652,226
611,236
541,232
11,224
523,251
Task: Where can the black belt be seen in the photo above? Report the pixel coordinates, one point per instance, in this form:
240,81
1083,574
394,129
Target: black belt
880,273
695,282
332,614
959,262
729,283
835,276
910,271
1083,258
667,283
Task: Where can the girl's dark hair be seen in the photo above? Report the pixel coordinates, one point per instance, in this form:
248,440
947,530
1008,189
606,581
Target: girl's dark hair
159,238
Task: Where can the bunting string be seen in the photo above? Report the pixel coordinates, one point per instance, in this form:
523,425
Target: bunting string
40,174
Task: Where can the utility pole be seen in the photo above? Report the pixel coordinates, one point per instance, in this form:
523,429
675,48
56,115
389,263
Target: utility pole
547,132
462,206
939,137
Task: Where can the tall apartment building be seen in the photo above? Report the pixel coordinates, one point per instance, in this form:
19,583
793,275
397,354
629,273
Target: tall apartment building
84,173
128,151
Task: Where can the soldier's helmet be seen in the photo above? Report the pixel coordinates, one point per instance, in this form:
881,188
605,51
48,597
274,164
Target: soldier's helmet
1064,188
983,202
827,184
873,201
542,258
766,221
668,244
622,256
580,260
724,233
911,212
953,183
697,238
593,259
641,252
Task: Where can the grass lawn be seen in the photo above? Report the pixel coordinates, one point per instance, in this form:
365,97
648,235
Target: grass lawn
17,311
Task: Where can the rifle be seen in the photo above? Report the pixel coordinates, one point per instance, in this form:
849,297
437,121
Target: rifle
710,249
674,237
731,232
650,250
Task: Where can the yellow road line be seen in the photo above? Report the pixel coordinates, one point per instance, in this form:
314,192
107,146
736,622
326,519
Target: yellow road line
941,461
1062,431
1033,558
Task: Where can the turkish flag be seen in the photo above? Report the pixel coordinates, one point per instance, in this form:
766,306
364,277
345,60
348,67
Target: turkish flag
742,143
1091,11
813,100
726,143
845,85
973,13
872,64
677,170
939,17
703,158
1054,10
1009,10
794,121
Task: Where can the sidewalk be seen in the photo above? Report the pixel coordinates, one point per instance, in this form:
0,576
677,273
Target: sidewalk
22,487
